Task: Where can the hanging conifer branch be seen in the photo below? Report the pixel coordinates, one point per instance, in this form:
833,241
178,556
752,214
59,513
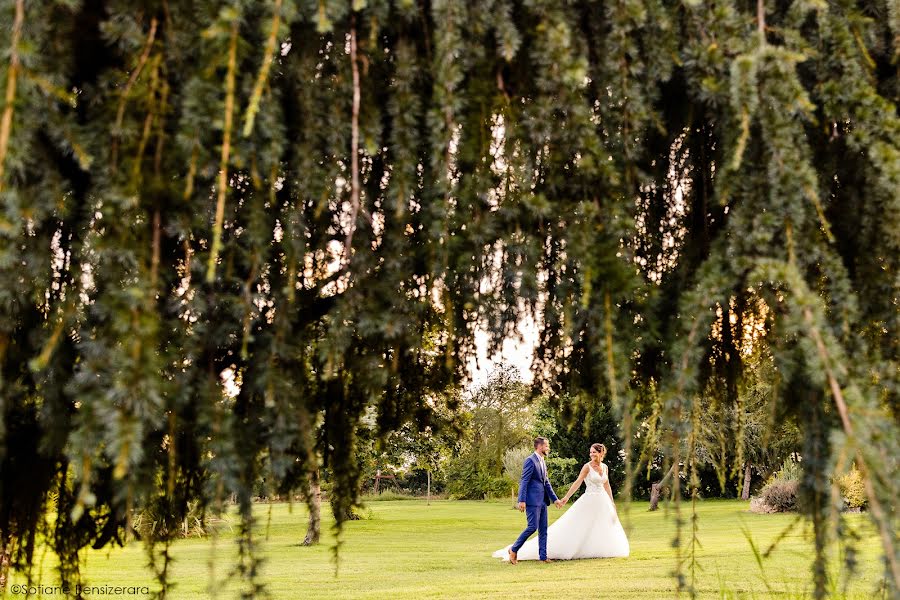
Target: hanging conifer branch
192,171
354,144
155,250
126,92
222,184
761,21
263,76
12,74
880,516
149,119
659,148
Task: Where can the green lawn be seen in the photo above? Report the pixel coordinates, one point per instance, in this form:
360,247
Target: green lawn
406,549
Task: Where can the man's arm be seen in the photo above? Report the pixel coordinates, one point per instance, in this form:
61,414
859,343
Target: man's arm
550,490
527,472
549,487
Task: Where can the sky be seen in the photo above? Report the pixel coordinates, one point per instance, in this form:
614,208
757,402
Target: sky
515,352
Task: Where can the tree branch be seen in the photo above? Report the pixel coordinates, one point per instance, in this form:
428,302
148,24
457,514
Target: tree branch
120,113
222,185
268,57
761,20
874,504
11,75
354,142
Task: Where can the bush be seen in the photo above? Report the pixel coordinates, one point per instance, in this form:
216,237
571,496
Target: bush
853,489
149,522
780,496
466,482
780,493
513,461
789,471
562,472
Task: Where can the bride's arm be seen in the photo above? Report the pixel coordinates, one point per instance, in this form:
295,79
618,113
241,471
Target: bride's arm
574,486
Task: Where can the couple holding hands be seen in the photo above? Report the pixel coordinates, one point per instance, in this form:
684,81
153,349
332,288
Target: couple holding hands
590,529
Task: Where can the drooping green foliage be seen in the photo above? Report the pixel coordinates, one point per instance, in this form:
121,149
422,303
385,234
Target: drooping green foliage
229,228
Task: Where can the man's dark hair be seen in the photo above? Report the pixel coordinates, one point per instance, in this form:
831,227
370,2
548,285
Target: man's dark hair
539,441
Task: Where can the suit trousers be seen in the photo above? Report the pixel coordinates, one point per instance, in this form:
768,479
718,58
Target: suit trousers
537,521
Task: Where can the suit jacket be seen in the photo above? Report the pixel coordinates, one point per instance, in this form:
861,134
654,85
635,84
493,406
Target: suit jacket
535,488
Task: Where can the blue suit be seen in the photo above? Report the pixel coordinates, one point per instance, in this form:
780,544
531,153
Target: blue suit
536,492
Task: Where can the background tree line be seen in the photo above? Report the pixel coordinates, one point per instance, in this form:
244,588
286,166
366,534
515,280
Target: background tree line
478,452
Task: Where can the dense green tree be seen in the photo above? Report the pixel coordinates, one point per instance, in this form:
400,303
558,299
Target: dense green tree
324,200
572,425
495,417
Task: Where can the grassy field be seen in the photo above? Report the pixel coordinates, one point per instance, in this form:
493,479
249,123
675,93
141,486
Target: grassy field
405,549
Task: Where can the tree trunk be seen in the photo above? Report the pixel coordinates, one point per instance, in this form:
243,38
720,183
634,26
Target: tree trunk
656,488
654,496
429,488
745,493
314,502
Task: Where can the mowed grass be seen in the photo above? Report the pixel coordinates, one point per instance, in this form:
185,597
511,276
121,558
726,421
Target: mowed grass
407,549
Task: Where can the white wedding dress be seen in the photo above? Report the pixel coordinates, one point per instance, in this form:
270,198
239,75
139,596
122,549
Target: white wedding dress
589,529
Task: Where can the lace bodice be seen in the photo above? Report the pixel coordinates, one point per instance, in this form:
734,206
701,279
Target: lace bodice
594,481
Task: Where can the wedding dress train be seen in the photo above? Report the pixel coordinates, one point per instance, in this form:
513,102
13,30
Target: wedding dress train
589,529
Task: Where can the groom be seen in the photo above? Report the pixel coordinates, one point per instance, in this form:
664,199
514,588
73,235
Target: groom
535,494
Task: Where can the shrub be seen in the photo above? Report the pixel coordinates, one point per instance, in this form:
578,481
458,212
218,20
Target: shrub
513,461
780,493
789,471
465,481
853,489
780,496
758,506
148,522
562,472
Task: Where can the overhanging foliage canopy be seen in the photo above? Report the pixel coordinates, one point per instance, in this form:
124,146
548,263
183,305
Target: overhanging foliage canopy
323,198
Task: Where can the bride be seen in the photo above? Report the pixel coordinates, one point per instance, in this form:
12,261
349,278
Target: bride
591,528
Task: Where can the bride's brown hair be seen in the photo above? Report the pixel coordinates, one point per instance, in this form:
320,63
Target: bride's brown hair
599,448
